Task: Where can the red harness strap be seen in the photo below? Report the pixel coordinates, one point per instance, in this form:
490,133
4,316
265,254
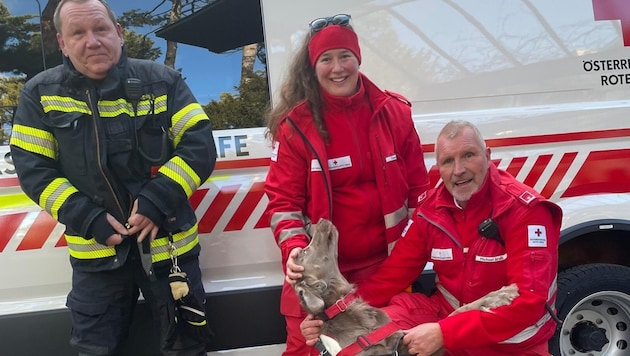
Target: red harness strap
340,306
366,341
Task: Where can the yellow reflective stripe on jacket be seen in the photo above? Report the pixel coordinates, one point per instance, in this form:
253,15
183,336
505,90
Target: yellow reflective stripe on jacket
185,118
55,194
34,140
183,241
63,104
83,249
86,249
115,108
179,171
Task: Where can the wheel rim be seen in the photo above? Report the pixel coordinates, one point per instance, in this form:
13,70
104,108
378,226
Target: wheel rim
597,325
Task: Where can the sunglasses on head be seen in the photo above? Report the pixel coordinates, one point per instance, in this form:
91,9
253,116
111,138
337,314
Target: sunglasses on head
320,23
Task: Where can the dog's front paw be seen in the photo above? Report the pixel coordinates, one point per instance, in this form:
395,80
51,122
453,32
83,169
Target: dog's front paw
499,298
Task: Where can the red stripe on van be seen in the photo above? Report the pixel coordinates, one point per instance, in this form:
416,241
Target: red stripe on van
534,175
9,182
551,138
515,166
217,208
242,163
602,172
38,232
557,175
62,241
554,138
263,222
9,224
246,208
197,197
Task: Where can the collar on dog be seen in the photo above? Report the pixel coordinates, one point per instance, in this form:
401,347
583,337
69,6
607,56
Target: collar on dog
340,306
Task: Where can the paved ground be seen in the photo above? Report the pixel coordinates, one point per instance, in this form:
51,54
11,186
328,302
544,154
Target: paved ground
274,350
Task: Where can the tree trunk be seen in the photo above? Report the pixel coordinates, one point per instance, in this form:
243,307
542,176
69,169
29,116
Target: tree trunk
171,47
247,63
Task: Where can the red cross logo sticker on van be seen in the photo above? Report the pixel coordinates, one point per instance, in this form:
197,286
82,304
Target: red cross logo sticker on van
614,10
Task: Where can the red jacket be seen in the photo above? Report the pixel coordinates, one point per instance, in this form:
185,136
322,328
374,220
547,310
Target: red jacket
468,265
365,179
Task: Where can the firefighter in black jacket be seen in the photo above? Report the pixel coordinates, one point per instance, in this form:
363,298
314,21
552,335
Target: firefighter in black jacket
113,147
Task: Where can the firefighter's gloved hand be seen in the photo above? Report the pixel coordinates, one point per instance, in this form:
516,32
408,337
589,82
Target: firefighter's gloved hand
179,285
100,229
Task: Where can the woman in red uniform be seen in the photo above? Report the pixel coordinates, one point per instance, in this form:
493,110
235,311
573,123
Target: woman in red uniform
343,150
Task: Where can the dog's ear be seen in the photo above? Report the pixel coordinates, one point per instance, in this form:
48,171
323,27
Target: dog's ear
313,303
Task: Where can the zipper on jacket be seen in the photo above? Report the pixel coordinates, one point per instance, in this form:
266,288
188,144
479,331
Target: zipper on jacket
98,153
382,162
441,228
381,158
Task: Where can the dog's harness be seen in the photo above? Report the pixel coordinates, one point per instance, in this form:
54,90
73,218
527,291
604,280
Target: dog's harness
364,342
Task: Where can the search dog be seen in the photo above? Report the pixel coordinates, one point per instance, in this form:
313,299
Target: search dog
351,326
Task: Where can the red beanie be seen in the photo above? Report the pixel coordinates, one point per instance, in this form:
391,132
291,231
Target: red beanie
331,37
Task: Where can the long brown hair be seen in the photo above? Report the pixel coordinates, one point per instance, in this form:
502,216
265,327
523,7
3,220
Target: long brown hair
300,84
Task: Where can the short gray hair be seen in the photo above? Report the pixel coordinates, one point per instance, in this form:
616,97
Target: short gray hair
57,17
455,127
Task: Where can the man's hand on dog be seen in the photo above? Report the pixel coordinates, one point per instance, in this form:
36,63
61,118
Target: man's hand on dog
294,271
311,328
424,339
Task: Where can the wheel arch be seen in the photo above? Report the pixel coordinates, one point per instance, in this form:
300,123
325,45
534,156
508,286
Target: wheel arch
596,241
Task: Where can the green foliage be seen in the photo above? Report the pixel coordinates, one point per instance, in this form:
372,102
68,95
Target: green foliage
10,89
139,46
19,44
243,110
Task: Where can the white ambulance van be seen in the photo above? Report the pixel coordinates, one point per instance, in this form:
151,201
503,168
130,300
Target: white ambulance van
547,82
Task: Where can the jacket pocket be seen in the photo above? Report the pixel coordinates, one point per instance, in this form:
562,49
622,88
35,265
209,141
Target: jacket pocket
539,272
154,143
70,132
122,151
92,309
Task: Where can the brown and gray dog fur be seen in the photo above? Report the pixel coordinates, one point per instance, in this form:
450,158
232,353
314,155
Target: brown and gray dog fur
322,285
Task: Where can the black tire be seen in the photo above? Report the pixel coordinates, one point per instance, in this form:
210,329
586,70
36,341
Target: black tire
594,303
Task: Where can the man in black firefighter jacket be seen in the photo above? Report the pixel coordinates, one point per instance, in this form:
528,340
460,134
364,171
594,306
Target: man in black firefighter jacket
112,147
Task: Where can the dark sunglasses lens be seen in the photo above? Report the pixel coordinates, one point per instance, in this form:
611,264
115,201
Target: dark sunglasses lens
318,24
342,20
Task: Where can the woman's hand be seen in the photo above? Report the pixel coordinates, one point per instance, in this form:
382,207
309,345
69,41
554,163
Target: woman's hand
294,271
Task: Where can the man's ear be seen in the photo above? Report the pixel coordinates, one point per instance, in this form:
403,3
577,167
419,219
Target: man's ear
62,44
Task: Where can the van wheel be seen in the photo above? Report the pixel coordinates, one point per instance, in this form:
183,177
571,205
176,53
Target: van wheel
594,303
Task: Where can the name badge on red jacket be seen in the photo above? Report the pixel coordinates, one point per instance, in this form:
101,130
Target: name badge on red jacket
442,254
